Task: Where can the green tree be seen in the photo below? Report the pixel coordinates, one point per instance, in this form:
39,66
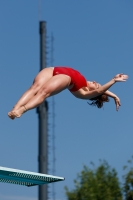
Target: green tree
96,184
128,181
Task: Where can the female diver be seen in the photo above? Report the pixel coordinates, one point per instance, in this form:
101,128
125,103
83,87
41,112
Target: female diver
53,80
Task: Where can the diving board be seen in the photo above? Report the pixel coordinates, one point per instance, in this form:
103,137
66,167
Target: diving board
26,178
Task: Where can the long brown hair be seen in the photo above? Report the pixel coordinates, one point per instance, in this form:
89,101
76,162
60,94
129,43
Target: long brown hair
99,100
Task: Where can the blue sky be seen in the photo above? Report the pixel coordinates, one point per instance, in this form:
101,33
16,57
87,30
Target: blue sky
94,37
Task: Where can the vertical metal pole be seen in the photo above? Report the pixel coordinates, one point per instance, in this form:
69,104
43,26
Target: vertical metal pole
43,119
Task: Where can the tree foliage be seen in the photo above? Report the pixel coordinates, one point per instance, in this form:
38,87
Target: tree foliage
96,184
128,182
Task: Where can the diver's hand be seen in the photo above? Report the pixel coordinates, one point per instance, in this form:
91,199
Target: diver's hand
117,103
120,78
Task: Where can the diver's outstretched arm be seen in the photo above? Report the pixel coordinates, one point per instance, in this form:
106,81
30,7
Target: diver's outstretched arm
105,87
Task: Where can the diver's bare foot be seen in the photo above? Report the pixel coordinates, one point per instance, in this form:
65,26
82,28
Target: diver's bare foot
10,114
17,113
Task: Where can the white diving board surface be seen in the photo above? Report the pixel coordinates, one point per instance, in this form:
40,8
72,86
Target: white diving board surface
20,177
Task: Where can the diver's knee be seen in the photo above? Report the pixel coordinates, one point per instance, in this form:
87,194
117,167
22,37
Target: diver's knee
35,86
43,92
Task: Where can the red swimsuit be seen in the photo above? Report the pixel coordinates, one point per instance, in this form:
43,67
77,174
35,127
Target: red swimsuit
77,79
